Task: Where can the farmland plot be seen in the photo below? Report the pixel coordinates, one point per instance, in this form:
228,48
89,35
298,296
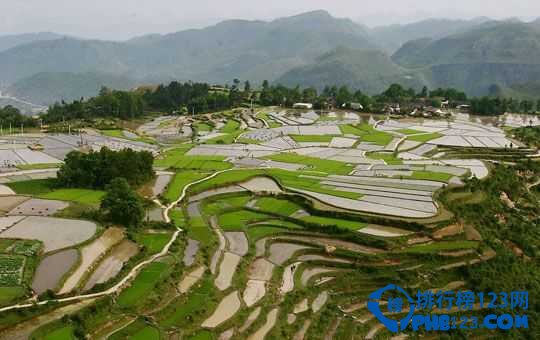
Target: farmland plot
11,270
224,311
55,233
38,207
52,268
90,254
282,224
227,270
8,221
112,264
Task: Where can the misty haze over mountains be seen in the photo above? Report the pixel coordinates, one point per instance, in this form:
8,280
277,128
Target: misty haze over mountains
480,56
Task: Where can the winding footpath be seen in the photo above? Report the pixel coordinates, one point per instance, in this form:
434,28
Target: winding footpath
120,285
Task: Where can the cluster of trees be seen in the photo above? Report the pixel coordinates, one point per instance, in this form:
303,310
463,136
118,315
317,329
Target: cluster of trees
331,95
187,97
181,98
109,103
450,94
339,96
96,170
118,172
11,116
496,105
194,98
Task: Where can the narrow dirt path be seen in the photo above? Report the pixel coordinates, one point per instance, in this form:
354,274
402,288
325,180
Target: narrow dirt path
120,285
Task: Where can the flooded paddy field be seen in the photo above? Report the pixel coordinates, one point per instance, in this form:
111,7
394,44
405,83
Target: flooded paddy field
52,268
90,254
55,233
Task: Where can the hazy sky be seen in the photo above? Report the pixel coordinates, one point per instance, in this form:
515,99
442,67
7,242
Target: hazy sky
121,19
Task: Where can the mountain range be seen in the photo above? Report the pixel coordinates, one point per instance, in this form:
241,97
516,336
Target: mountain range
310,49
10,41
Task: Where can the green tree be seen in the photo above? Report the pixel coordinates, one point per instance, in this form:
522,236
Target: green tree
395,93
424,93
309,95
122,205
94,170
10,115
344,96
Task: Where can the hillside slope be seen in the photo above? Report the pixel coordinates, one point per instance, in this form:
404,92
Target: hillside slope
392,37
503,54
46,88
371,71
252,50
14,40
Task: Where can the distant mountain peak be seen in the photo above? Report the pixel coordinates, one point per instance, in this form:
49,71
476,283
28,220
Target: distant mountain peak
313,17
316,14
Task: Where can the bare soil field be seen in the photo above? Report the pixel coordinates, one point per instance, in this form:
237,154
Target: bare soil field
261,184
261,333
261,269
260,247
313,257
383,231
7,203
301,306
4,190
302,331
309,273
287,282
90,254
38,207
250,319
191,279
8,221
254,292
238,243
226,270
224,311
326,241
113,263
281,252
319,301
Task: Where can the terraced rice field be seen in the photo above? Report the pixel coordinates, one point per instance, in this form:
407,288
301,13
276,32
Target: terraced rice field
180,160
90,254
38,207
161,183
109,267
314,164
145,282
52,269
179,181
267,251
75,195
55,233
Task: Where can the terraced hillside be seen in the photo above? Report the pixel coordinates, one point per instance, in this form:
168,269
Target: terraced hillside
280,230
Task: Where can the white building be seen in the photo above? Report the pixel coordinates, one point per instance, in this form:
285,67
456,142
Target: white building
306,106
